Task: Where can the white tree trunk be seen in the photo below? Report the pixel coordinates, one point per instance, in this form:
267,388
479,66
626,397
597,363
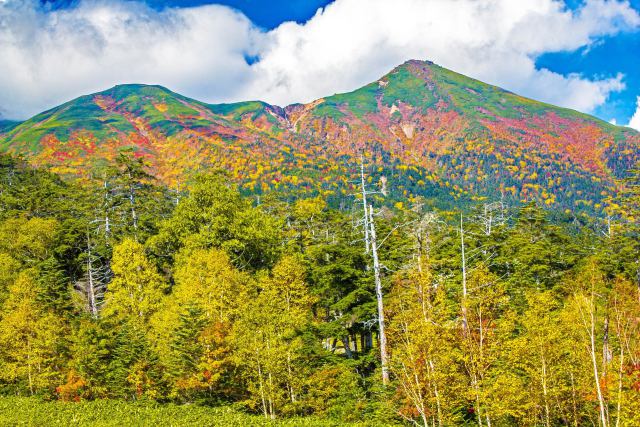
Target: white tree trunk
381,324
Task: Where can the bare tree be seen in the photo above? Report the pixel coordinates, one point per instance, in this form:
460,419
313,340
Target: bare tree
384,357
364,206
371,245
465,323
93,283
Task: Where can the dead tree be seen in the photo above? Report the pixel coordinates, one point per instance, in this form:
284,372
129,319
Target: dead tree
371,245
364,206
464,280
384,357
93,283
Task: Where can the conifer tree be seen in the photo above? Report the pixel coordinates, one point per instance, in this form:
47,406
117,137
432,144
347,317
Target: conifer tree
197,318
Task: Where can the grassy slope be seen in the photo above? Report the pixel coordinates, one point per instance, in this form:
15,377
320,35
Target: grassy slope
467,96
445,107
168,112
158,106
24,411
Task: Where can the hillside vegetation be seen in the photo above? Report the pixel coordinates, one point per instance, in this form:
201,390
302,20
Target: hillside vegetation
20,411
127,302
425,250
430,132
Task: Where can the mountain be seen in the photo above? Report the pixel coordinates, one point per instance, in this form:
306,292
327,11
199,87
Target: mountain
424,130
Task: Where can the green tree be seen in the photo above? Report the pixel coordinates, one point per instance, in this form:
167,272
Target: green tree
196,320
535,254
215,215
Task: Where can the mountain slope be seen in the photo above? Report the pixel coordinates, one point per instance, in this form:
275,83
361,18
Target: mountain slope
429,131
7,125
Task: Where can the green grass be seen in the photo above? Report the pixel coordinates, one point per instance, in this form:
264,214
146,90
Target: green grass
81,113
498,101
238,109
403,86
359,102
7,125
25,411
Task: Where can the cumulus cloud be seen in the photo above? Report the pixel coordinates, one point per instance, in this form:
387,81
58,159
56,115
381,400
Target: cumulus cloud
48,57
352,42
635,120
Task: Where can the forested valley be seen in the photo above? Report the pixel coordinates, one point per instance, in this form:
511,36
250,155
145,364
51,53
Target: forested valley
117,288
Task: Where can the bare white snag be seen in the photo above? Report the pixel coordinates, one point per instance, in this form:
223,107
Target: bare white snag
91,286
132,201
94,283
589,322
372,245
107,224
381,324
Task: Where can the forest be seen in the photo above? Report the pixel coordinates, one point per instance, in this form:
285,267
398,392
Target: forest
119,289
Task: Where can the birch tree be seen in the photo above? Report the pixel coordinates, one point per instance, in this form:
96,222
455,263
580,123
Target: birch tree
136,291
31,338
268,341
424,358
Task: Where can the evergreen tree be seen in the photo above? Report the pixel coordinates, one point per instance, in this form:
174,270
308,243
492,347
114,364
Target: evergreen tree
215,215
196,320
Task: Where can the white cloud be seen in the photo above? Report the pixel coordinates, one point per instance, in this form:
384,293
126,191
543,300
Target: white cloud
353,42
635,120
49,57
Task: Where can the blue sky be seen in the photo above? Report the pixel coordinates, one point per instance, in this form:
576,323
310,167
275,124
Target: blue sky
265,13
268,14
583,54
607,57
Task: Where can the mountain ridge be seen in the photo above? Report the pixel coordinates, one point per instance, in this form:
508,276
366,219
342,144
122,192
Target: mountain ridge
457,135
287,108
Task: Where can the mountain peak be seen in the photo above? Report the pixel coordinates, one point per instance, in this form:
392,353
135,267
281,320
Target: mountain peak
124,90
458,137
416,63
413,66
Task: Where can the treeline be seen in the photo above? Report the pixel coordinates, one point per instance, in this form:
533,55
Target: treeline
119,288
